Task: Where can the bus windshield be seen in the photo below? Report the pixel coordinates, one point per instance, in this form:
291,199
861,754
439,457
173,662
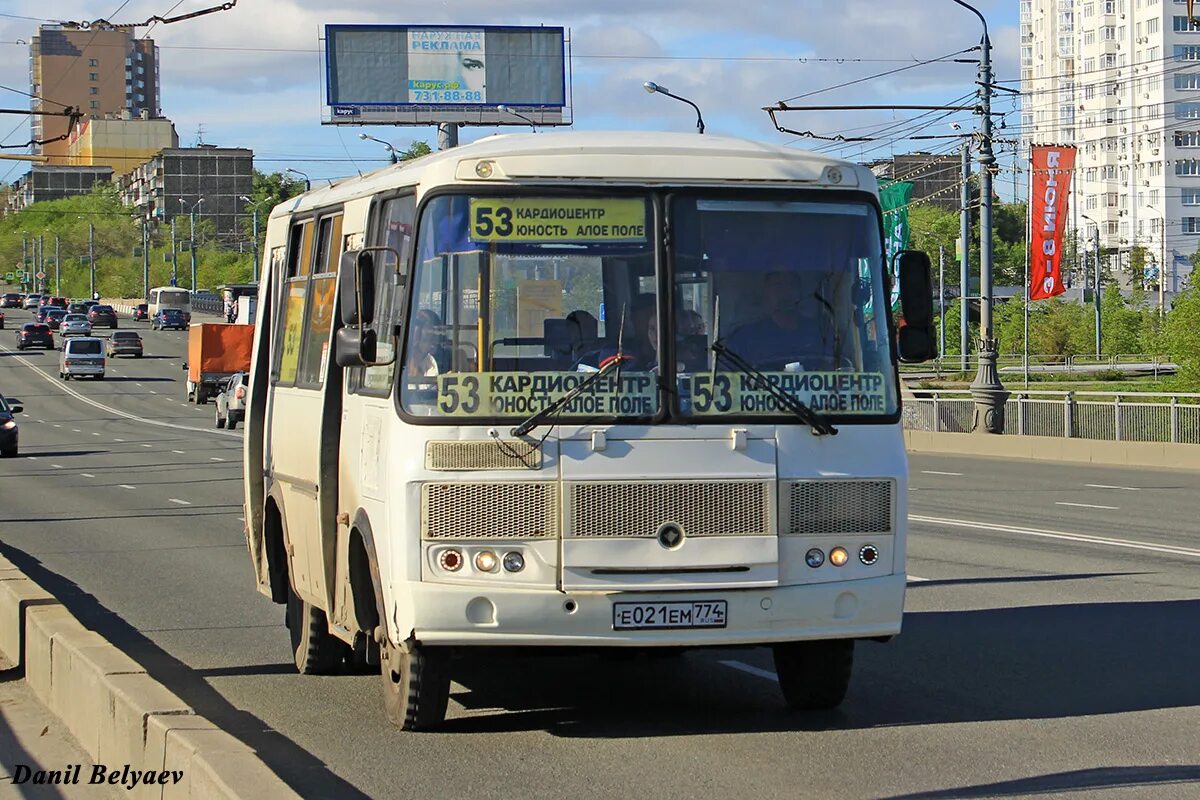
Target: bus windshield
516,300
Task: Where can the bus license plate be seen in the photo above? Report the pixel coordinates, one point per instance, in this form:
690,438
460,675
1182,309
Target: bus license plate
645,616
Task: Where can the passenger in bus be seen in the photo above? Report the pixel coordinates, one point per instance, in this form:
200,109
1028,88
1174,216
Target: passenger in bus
797,327
422,344
691,342
641,335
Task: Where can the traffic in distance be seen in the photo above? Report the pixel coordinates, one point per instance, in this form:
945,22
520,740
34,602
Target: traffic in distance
587,391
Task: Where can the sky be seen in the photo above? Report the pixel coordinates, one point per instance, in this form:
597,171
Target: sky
252,76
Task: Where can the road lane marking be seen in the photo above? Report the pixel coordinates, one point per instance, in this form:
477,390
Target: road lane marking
57,426
214,458
86,475
32,458
57,466
180,452
1087,505
153,392
94,433
1041,533
180,502
1106,486
747,668
147,445
935,472
126,486
76,430
916,579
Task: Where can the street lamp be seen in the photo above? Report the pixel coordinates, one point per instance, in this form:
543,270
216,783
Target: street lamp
509,110
1162,262
254,210
654,88
1096,279
307,182
367,138
192,236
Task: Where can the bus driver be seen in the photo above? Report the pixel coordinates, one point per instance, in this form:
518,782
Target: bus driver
797,327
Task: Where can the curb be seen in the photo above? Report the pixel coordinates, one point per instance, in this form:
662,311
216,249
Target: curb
119,714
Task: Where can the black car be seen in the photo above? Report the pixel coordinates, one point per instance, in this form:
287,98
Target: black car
141,311
35,334
10,300
8,426
169,318
54,316
77,308
102,316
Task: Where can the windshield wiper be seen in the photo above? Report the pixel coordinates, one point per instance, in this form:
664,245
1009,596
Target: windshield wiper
610,365
819,424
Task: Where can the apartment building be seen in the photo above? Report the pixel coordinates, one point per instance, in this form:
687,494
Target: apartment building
208,179
101,70
1120,80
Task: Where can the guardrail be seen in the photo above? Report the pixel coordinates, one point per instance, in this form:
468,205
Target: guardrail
208,305
1106,416
955,364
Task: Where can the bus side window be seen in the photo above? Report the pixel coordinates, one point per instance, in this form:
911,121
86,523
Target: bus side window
314,352
394,229
289,328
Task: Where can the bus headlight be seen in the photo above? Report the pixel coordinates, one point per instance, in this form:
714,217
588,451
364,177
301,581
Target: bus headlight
838,556
514,562
486,561
814,557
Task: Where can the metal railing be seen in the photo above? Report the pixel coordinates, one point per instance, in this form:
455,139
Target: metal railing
1124,417
1068,364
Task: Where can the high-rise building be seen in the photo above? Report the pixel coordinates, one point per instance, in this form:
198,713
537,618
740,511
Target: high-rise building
208,179
101,70
1120,80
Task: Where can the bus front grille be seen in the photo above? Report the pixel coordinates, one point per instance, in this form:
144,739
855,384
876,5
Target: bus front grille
638,509
496,510
839,506
465,456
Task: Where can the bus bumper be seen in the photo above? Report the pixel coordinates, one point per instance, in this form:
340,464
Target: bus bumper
470,615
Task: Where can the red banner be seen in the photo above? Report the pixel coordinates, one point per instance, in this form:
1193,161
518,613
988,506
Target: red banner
1050,188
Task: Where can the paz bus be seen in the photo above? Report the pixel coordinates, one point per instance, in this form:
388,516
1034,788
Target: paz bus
162,297
588,390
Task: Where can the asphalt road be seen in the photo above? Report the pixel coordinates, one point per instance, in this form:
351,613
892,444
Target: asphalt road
1049,648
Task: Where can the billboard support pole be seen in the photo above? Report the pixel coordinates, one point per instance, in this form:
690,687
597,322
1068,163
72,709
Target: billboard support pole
447,135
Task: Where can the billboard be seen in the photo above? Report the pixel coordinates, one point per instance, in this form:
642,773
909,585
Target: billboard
428,74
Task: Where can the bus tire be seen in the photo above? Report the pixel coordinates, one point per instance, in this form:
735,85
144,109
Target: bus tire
314,649
416,685
814,676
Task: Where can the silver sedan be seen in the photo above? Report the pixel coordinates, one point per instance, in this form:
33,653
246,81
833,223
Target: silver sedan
74,325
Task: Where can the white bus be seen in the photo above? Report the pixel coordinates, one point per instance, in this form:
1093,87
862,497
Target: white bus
588,390
170,297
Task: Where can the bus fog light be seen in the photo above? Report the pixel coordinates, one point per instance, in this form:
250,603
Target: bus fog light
838,556
450,560
514,562
484,169
814,558
869,554
486,561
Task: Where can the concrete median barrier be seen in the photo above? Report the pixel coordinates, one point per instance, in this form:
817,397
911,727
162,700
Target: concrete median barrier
1154,455
139,734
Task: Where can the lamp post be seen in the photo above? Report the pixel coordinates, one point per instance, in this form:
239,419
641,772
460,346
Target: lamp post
987,391
307,182
386,145
1096,279
254,224
509,110
192,236
1162,262
654,88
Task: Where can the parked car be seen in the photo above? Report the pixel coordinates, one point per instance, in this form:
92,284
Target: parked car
124,343
35,334
9,407
54,316
82,356
141,311
74,325
231,401
32,300
102,315
10,300
169,318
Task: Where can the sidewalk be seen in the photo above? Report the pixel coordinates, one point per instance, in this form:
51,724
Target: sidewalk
33,738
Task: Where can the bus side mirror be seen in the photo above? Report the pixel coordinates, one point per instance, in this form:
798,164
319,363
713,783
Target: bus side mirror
354,347
356,298
917,341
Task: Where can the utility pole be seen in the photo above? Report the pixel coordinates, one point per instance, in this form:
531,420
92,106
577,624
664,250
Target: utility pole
987,391
25,261
1096,291
174,265
57,267
41,258
447,135
942,301
964,271
146,258
92,257
192,245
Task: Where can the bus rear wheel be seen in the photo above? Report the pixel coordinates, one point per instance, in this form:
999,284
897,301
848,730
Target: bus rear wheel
814,676
314,649
416,685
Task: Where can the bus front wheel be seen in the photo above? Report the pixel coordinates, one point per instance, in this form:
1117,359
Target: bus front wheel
814,676
416,685
315,650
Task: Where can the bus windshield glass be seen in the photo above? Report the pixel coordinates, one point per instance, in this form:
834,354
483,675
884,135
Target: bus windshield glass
797,291
517,300
173,298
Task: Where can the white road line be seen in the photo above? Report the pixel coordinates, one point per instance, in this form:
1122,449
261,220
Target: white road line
214,458
32,458
153,392
57,426
118,440
935,472
57,466
147,445
1087,505
126,486
761,673
180,502
76,430
1106,486
1040,533
916,579
86,475
94,433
